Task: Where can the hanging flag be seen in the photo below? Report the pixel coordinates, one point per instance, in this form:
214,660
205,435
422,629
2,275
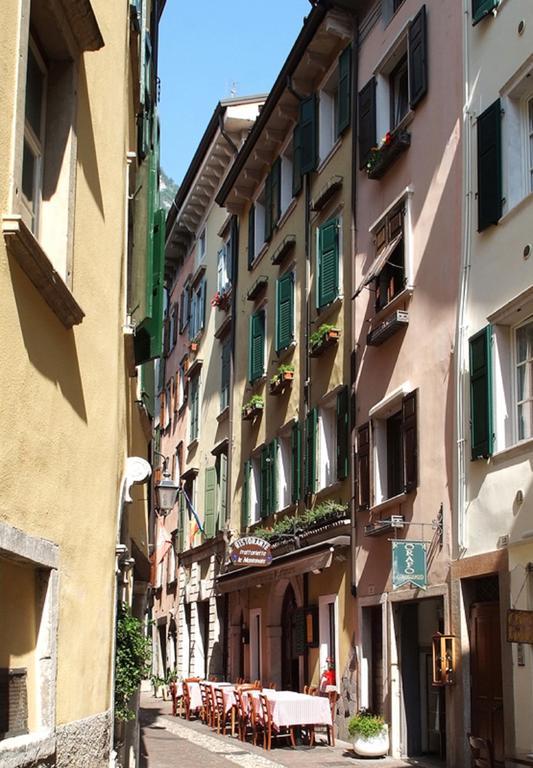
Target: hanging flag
197,527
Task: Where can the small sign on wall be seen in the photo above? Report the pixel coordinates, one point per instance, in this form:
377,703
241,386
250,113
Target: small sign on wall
409,564
519,626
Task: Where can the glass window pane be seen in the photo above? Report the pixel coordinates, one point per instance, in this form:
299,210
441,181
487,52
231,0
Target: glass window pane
520,383
521,344
28,172
525,414
34,93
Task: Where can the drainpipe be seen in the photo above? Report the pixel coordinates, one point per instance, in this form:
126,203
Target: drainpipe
462,323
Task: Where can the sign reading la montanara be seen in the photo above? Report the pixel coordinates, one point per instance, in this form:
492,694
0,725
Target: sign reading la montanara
250,550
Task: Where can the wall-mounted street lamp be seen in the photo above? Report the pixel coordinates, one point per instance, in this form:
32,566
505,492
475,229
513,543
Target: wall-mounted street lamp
166,491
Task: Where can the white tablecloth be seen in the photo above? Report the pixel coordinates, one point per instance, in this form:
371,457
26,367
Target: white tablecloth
195,694
290,708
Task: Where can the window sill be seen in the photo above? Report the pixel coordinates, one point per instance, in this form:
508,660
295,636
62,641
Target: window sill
333,151
27,749
25,248
525,202
263,250
286,213
286,352
328,489
323,313
223,415
403,298
383,506
193,444
524,446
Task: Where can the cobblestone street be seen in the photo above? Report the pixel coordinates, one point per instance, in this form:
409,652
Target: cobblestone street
168,741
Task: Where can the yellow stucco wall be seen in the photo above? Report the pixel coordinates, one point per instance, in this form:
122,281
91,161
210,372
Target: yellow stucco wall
64,400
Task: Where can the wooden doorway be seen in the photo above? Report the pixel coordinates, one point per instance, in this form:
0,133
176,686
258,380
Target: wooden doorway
486,675
290,665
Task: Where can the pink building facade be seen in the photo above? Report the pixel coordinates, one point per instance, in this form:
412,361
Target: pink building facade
408,222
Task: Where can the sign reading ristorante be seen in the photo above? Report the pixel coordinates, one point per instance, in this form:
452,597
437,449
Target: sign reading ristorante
250,550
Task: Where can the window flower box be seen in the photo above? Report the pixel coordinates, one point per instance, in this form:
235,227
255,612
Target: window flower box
382,157
326,336
282,379
253,408
221,300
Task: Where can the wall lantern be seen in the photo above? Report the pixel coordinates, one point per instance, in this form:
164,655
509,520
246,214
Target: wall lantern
443,659
166,492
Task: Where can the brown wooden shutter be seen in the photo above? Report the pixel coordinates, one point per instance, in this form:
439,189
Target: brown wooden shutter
410,442
363,467
418,68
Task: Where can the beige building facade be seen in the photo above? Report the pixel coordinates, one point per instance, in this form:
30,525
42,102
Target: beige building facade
73,516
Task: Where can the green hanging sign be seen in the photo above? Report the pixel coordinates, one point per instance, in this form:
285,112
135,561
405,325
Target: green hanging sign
409,564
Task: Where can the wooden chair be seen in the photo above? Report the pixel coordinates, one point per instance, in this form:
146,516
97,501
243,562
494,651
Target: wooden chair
269,727
273,686
244,721
258,685
219,711
177,700
482,752
187,697
333,697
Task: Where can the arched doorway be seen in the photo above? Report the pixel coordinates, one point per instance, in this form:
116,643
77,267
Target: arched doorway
290,667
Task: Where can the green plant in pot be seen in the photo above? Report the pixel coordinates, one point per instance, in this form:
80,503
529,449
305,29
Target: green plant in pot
369,733
254,404
325,331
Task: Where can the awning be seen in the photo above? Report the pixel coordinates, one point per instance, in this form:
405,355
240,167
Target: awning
316,557
379,263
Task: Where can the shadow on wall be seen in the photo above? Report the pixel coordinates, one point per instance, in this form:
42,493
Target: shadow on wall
51,349
87,154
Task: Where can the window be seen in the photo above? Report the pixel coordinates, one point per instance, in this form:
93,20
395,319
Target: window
194,402
268,502
168,406
200,250
481,8
400,84
225,376
197,319
223,256
393,430
251,492
181,385
284,311
173,325
171,565
286,179
327,442
334,105
272,199
390,271
256,346
221,467
327,631
501,375
284,471
505,149
34,127
328,273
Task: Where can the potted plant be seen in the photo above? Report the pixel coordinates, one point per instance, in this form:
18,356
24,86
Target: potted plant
157,683
326,335
383,156
220,300
253,407
285,374
369,733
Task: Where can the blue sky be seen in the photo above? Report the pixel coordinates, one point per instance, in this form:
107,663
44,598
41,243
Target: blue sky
205,48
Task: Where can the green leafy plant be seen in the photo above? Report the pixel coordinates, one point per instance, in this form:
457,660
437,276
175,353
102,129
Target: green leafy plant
282,369
133,655
317,336
365,724
256,401
308,519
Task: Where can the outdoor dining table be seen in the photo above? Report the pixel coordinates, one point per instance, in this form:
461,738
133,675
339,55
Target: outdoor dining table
291,708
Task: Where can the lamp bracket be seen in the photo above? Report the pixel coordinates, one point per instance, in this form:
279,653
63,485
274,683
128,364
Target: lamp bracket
137,471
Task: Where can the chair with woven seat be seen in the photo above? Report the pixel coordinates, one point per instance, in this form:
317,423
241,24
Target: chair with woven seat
269,726
219,711
333,697
244,721
187,697
482,752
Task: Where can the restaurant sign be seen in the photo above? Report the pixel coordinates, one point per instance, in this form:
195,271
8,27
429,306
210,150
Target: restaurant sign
409,564
250,550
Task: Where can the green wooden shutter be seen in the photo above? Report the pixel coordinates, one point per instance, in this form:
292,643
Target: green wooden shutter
181,523
311,428
367,121
225,374
343,433
223,489
328,263
256,352
308,128
481,426
194,392
481,8
418,68
251,236
284,311
363,467
410,442
345,90
296,160
148,338
489,166
268,207
245,497
296,443
210,492
264,482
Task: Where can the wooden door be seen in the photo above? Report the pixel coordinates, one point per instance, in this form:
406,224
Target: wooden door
289,662
486,675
